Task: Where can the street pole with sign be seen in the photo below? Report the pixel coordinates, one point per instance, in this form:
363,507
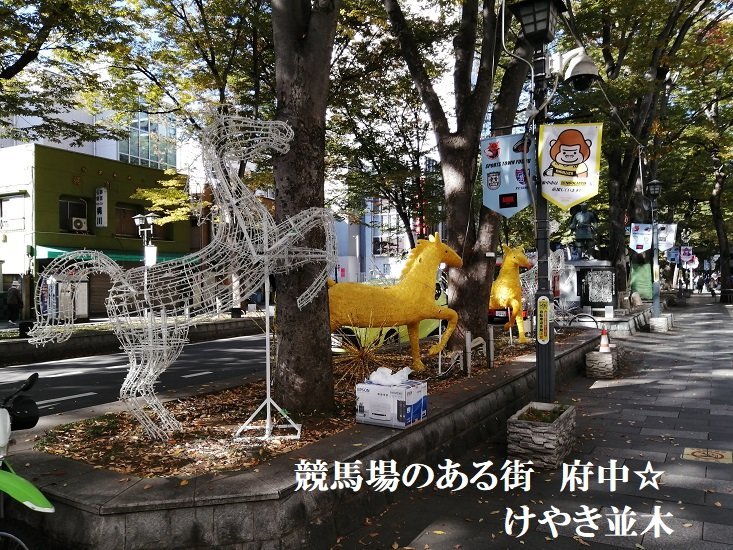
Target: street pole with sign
538,20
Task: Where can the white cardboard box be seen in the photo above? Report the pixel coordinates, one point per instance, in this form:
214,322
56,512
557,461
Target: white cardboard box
392,406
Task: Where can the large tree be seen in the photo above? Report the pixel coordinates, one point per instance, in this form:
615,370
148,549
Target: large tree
476,49
186,54
378,144
304,35
643,46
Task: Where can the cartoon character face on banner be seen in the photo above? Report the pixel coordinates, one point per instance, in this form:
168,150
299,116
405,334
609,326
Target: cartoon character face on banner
568,154
569,162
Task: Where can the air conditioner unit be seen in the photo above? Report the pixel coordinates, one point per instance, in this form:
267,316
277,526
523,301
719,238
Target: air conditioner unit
79,224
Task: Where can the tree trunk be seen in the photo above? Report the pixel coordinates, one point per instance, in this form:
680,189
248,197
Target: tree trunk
303,37
468,291
719,223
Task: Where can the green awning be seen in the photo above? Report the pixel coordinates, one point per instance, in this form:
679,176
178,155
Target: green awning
48,253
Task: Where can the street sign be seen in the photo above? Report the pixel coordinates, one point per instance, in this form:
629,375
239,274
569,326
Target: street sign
543,320
570,162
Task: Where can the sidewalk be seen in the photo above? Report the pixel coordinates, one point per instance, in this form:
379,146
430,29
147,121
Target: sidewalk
670,411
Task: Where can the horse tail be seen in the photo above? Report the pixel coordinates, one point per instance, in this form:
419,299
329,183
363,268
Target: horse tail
57,289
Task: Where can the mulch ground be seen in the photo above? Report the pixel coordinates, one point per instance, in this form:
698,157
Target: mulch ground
116,441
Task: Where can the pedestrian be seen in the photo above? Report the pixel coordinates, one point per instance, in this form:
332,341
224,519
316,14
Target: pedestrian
15,302
700,284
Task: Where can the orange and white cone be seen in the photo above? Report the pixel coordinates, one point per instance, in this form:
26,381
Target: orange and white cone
605,344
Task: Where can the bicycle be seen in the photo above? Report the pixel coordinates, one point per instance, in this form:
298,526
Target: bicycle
566,314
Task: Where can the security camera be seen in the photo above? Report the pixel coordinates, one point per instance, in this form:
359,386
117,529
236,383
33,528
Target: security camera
575,67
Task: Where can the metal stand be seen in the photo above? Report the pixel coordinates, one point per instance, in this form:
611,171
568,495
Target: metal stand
268,403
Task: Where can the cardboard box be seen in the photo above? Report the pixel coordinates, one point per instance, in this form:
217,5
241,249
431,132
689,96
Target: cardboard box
392,406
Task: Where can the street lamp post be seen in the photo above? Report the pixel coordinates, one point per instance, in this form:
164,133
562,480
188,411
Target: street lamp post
145,223
653,190
539,20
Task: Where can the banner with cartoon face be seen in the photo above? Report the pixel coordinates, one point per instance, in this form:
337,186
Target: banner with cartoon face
502,173
570,162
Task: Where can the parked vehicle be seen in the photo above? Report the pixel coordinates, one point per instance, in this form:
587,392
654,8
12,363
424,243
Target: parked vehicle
18,412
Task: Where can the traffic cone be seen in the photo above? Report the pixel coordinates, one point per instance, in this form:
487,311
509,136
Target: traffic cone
605,344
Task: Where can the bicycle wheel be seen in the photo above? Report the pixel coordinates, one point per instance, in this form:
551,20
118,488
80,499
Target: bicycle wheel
583,317
16,536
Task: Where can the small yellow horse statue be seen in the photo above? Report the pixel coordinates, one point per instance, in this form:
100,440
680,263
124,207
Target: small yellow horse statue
506,292
408,302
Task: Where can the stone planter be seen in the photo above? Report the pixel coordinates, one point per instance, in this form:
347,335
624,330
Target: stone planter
545,444
601,365
658,324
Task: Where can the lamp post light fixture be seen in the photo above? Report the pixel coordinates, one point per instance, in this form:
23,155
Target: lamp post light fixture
145,223
652,190
539,20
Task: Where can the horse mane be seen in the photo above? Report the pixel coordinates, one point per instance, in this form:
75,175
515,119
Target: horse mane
413,256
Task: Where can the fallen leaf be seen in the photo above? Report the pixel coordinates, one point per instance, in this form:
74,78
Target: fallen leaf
439,532
184,482
148,486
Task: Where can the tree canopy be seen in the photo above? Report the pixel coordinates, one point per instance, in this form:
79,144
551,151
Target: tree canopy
51,57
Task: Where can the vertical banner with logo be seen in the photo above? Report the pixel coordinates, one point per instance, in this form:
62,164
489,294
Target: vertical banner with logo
570,162
502,173
666,234
686,254
673,255
641,237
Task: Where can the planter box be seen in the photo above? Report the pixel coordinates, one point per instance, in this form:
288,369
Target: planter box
601,365
545,444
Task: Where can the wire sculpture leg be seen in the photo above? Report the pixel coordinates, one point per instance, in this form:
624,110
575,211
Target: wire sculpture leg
159,348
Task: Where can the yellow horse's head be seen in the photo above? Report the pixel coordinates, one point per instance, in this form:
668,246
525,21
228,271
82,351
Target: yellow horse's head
428,255
515,256
446,254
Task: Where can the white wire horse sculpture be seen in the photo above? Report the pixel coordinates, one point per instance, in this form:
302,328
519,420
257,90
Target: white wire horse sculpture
152,307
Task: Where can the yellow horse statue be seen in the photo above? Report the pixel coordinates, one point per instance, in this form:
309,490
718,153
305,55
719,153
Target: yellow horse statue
408,302
506,292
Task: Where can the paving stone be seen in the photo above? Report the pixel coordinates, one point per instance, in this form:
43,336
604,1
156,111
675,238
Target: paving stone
715,532
688,434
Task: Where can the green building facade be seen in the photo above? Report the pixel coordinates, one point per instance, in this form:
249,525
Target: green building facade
54,200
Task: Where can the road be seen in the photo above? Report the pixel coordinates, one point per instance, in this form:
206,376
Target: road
70,384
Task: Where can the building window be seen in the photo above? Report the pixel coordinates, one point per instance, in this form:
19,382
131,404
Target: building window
11,213
73,215
386,229
151,142
124,224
